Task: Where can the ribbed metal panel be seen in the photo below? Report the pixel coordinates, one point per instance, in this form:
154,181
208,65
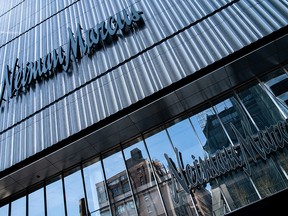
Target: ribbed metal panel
179,38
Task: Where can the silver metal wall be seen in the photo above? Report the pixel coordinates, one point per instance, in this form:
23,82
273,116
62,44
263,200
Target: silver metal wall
178,39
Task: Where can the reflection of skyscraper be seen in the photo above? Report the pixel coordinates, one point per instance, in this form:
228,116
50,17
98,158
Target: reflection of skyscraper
258,104
239,190
279,87
215,136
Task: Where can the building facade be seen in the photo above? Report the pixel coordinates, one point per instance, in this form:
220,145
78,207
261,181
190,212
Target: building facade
142,107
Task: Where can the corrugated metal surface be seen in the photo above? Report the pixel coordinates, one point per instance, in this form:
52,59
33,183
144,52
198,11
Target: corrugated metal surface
179,38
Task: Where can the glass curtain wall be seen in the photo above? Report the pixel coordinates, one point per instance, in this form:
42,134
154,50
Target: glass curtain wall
135,179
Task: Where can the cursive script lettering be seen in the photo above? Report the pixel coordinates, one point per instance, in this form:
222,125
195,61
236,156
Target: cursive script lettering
249,148
18,79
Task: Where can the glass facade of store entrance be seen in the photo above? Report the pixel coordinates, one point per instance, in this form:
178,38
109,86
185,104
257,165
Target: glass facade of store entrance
133,178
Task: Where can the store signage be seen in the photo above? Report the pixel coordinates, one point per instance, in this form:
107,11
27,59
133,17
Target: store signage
18,79
250,148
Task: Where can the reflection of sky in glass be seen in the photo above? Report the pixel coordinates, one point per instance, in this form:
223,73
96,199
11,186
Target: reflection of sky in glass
159,144
223,105
18,207
113,165
198,130
74,191
93,175
276,79
4,210
185,140
140,146
36,203
55,201
202,117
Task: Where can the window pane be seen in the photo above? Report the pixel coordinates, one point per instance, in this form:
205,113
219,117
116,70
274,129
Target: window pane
103,212
74,192
238,190
124,208
267,178
95,187
4,210
260,106
18,207
54,198
148,199
36,203
238,187
230,112
117,179
282,161
183,137
157,145
210,131
212,135
277,84
264,112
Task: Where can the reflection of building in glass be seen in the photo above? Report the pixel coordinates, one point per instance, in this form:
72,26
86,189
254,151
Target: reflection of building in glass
279,87
259,106
216,138
118,191
137,69
146,192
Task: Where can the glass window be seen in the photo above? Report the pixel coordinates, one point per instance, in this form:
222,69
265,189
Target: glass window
261,108
142,178
4,210
264,113
55,197
117,180
158,145
237,188
230,112
95,185
210,131
277,84
267,177
183,137
282,161
125,207
18,207
74,192
36,203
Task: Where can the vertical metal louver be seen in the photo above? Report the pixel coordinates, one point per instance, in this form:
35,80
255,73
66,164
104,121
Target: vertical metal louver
178,39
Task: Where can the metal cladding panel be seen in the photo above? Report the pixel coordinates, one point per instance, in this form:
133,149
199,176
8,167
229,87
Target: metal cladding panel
178,39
